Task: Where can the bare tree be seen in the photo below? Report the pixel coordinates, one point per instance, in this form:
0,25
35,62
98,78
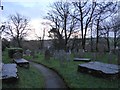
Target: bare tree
103,12
41,39
84,12
116,30
17,28
105,32
64,24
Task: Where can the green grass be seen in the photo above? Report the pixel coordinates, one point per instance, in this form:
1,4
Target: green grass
75,79
28,78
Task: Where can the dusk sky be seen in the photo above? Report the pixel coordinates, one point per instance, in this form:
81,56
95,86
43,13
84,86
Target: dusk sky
35,10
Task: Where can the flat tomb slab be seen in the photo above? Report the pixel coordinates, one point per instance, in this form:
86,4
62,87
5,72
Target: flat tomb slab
100,69
9,71
21,62
82,59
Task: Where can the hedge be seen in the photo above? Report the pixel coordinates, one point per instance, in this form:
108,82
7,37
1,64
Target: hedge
11,51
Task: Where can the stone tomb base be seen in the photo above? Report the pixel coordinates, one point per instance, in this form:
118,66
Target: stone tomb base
9,72
100,69
22,62
82,59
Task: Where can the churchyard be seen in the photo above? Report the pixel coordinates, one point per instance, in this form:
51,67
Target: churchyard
78,46
26,77
68,69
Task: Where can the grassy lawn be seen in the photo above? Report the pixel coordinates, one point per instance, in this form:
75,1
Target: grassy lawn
28,78
75,79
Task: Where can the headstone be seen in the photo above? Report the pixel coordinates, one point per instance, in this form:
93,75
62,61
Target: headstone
47,54
28,52
110,57
94,56
118,57
68,56
17,55
81,53
33,54
61,57
56,54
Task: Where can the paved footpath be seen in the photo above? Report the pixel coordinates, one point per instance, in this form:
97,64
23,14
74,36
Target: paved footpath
52,79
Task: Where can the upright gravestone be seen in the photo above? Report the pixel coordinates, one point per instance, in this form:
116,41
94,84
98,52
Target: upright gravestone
93,56
17,55
118,57
47,54
110,57
61,57
81,53
68,56
33,54
28,52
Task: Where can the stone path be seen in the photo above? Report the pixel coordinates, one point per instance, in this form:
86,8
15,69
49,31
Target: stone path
52,79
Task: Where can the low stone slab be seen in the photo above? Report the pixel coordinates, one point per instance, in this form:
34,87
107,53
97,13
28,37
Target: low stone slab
82,59
9,72
100,69
22,62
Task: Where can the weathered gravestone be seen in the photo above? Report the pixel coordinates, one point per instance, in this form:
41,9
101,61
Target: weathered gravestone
118,57
28,52
93,54
81,53
17,55
68,56
110,57
47,54
56,55
19,60
62,57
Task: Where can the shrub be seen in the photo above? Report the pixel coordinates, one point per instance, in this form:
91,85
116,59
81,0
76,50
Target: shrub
11,51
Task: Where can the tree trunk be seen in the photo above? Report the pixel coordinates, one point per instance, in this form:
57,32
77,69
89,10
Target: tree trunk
91,43
115,40
97,37
108,44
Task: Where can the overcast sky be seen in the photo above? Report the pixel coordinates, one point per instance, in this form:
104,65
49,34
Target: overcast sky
35,10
